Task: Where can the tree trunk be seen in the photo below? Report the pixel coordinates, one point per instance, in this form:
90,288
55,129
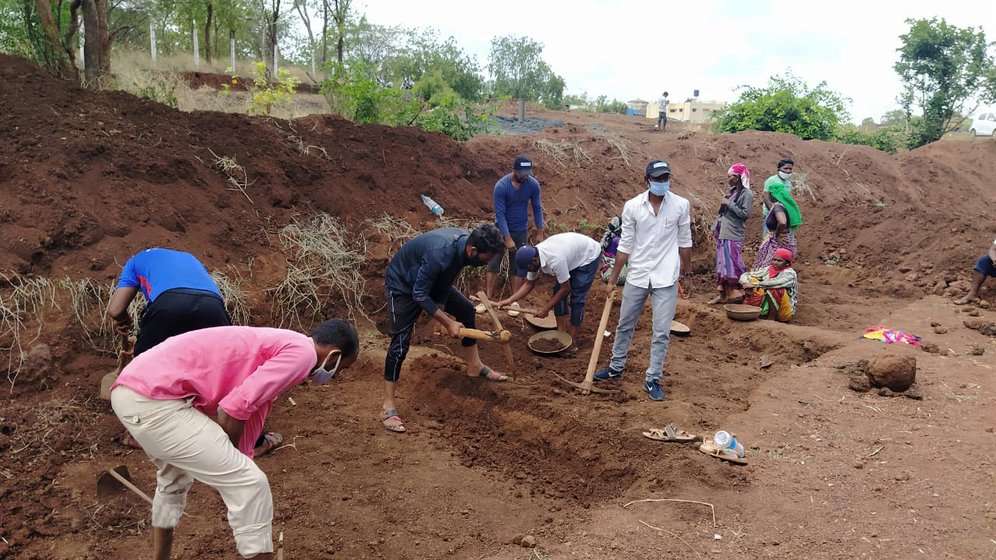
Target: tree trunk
52,48
207,33
97,45
325,31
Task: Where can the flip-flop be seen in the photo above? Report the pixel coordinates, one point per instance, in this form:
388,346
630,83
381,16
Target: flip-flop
726,454
272,440
671,434
966,301
486,373
392,421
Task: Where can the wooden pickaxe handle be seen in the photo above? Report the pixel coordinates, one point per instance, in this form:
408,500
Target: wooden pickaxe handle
127,484
525,310
502,336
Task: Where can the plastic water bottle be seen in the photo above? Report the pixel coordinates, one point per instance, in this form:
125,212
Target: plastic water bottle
432,205
724,440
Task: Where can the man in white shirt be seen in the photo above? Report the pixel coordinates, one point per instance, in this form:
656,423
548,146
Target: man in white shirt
573,260
657,244
662,112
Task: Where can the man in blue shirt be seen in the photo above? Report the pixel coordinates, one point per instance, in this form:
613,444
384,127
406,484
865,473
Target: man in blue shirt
180,293
420,278
513,193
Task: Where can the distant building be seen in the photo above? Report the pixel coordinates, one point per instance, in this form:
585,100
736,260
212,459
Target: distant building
692,111
637,107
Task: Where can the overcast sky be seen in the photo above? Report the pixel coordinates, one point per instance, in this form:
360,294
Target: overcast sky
638,48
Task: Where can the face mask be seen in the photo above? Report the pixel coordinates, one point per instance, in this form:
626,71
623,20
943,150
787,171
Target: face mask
784,176
321,375
659,188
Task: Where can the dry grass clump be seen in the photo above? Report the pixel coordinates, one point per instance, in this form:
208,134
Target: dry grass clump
22,302
563,152
236,174
324,260
233,294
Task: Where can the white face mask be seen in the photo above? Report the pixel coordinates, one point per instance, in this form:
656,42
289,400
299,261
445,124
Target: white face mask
784,176
321,375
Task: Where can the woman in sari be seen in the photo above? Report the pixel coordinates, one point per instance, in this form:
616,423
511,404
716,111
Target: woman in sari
774,289
782,221
729,231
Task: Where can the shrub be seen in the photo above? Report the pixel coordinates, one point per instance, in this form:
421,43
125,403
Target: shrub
888,139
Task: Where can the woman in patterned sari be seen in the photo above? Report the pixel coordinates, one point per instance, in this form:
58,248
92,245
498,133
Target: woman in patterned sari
729,231
774,289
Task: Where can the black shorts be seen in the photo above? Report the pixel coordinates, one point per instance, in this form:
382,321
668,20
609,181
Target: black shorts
178,311
405,311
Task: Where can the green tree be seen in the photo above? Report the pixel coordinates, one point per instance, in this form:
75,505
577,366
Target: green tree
518,70
425,53
946,72
786,104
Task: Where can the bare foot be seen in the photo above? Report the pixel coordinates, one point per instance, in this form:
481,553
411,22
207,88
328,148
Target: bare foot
966,300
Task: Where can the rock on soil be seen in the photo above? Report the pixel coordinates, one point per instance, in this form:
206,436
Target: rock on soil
897,373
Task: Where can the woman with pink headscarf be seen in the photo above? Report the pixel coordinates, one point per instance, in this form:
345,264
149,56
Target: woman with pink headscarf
729,231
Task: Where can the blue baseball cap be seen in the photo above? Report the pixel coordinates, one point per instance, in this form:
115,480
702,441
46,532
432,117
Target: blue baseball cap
523,165
523,258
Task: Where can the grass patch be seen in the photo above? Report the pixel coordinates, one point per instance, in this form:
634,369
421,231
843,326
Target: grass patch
324,261
234,296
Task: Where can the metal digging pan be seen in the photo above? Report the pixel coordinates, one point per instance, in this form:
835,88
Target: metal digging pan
560,337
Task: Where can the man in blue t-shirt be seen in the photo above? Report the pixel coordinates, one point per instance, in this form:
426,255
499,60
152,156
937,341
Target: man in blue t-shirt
513,193
180,293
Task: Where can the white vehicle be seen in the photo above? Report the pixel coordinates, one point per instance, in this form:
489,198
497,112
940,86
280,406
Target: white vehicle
984,125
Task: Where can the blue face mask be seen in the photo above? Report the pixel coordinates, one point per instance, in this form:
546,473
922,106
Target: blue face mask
659,188
321,375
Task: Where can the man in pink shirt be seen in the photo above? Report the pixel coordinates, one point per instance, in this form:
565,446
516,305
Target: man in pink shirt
196,404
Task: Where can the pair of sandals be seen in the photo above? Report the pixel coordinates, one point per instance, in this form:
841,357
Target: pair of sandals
393,422
672,434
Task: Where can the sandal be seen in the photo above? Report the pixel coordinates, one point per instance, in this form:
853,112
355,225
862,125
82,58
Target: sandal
392,421
492,375
966,300
272,440
671,434
726,454
716,300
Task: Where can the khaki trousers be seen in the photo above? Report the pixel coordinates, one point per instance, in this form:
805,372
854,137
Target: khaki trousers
186,445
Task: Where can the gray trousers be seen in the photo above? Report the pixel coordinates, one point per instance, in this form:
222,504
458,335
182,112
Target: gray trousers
665,301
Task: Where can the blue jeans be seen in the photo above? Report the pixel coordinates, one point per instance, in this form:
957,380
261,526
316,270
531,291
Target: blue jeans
665,301
581,279
985,266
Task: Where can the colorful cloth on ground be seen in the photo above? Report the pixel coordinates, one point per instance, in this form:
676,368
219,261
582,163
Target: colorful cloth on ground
891,336
729,262
768,248
776,292
781,194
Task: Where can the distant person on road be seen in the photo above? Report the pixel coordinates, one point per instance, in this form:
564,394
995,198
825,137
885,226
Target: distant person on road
774,289
657,245
783,175
420,278
984,268
513,194
782,221
573,260
662,112
197,403
730,231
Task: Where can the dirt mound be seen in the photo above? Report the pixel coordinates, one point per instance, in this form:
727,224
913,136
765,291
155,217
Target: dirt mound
895,372
89,178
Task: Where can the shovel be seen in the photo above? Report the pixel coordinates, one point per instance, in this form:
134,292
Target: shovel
115,479
586,386
125,353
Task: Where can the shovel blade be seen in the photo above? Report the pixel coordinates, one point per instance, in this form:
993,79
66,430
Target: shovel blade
106,382
108,485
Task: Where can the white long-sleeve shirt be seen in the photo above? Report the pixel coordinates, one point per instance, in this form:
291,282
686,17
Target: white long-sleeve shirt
652,242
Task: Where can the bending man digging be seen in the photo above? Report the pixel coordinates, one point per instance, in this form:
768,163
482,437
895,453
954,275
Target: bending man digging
420,278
